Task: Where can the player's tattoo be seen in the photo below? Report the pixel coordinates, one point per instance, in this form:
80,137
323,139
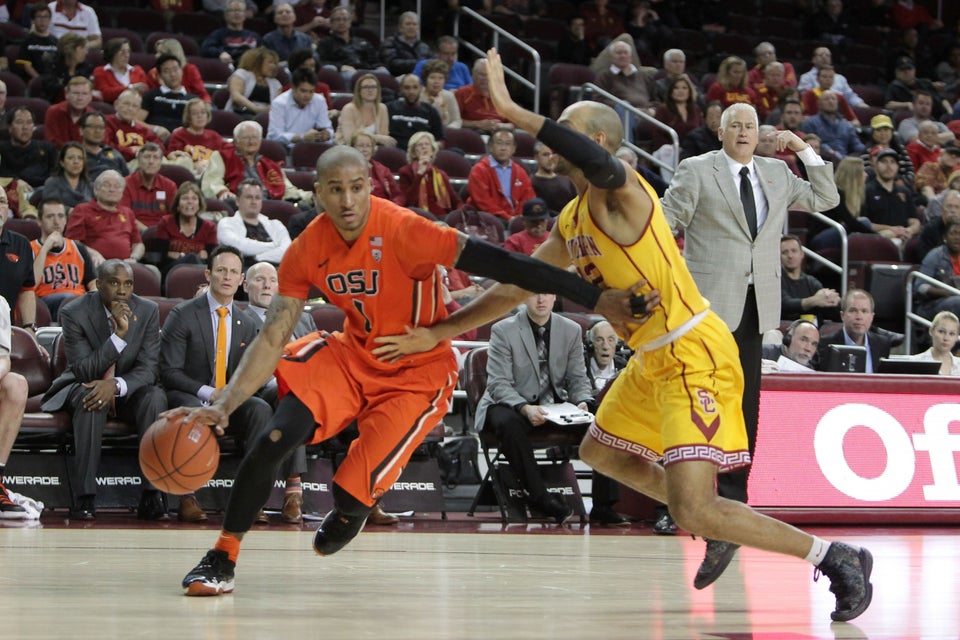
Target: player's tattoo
283,314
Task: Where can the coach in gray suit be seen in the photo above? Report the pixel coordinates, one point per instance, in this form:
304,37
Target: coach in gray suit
733,223
112,339
516,386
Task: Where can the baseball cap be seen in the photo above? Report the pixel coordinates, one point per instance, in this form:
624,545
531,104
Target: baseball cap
952,149
535,209
905,62
880,121
884,153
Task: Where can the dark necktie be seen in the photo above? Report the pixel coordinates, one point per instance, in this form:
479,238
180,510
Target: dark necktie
546,389
749,204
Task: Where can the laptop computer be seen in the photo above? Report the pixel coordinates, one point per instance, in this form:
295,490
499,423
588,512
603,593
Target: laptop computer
842,358
909,366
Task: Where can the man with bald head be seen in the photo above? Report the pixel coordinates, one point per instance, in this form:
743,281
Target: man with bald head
476,109
106,227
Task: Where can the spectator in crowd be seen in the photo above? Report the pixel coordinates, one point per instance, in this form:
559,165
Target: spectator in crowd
675,66
459,73
769,90
856,314
184,235
257,237
476,108
731,85
230,42
61,122
71,16
624,80
70,62
679,111
300,114
801,295
39,49
882,136
851,184
765,53
302,58
573,47
830,24
423,184
899,93
652,177
218,7
285,39
644,25
838,137
795,354
111,336
365,112
498,185
402,51
313,18
767,148
911,45
21,156
254,85
935,227
811,98
933,176
194,144
190,76
443,100
943,334
104,225
922,109
234,163
554,189
100,157
16,271
908,14
517,385
118,74
147,193
822,57
888,205
62,268
536,218
939,265
602,23
164,105
70,183
703,139
408,115
383,184
788,116
193,373
124,131
924,149
947,71
344,51
13,401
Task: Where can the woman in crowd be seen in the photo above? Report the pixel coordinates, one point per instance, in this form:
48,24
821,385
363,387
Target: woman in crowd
69,183
384,184
254,84
424,185
852,187
680,112
187,237
192,144
944,333
939,265
192,81
435,73
71,61
365,113
118,74
883,136
731,85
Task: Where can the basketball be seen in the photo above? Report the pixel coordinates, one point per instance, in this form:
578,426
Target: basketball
179,456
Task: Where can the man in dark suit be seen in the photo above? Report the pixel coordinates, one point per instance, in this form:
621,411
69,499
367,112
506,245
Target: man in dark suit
856,313
112,340
189,367
516,386
732,206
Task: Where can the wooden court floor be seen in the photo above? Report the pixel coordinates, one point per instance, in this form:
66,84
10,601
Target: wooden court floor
429,579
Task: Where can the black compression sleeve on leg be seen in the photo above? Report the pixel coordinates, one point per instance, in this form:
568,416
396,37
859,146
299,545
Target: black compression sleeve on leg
490,261
602,169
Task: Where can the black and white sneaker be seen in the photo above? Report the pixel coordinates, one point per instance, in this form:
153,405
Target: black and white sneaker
10,510
212,577
715,561
849,571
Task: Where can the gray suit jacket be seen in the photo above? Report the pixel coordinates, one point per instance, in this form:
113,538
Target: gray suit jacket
304,326
187,360
704,199
513,367
90,352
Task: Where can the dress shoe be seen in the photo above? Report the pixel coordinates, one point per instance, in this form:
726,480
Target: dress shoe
153,506
380,517
607,517
292,512
190,511
718,556
262,518
83,509
554,507
665,526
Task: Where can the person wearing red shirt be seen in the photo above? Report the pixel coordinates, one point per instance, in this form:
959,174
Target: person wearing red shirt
536,222
476,108
925,148
104,225
194,143
498,185
62,121
124,133
148,194
118,74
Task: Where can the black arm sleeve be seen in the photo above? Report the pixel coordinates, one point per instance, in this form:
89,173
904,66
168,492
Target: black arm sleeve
490,261
599,167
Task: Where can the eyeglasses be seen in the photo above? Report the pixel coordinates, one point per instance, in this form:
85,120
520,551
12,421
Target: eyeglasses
364,87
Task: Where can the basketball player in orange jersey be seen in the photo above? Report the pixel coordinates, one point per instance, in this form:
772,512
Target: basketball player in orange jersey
378,262
680,397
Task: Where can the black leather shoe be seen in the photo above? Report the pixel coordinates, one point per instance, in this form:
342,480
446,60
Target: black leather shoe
718,556
665,526
83,509
607,517
554,507
153,506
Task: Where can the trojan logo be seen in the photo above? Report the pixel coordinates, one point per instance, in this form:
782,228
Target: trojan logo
706,401
709,406
130,139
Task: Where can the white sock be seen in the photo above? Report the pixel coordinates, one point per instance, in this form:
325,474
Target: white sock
818,551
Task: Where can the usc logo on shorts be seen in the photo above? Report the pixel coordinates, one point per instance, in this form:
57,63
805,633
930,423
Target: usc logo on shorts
707,403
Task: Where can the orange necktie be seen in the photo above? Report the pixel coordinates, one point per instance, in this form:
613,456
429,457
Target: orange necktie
221,361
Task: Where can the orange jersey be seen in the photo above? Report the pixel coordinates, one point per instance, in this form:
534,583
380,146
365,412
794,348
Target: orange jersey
63,272
385,280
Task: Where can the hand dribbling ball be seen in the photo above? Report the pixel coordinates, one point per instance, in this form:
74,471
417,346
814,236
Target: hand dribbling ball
179,456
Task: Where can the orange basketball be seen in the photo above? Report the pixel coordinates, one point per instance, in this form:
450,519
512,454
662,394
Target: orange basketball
179,456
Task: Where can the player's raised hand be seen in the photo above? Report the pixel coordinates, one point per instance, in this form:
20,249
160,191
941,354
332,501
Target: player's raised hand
412,341
498,83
